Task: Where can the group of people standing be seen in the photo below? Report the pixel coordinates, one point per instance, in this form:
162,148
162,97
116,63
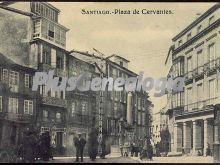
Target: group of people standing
33,147
93,144
142,147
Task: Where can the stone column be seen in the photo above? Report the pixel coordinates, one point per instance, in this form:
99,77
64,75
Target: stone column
175,137
129,108
205,136
194,137
184,136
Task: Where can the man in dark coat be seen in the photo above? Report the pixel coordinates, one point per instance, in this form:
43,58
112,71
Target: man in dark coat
29,142
79,144
45,146
93,144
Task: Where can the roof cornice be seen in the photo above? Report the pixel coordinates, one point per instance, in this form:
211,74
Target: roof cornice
199,19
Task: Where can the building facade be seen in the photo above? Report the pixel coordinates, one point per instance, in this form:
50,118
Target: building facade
126,114
18,103
32,35
40,44
195,56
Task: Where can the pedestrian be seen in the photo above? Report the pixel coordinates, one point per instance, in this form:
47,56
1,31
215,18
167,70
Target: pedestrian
28,146
144,153
103,146
132,148
79,144
45,147
126,148
140,145
121,146
157,147
93,144
150,151
208,150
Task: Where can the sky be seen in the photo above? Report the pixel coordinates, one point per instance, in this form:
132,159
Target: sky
142,39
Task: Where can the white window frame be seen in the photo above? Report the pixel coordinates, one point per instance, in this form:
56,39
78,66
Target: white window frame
27,80
45,114
28,108
14,108
5,75
73,108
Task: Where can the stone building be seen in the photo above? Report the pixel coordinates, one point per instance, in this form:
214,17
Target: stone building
195,56
31,34
18,103
126,114
81,114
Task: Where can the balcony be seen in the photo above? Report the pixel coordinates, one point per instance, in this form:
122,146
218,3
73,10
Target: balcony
80,119
188,76
198,72
201,104
22,118
50,31
53,101
58,72
212,65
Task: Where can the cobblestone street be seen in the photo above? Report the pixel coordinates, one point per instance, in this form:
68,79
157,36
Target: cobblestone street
182,159
87,160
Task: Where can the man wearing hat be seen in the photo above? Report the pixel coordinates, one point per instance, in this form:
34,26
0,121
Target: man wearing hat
79,144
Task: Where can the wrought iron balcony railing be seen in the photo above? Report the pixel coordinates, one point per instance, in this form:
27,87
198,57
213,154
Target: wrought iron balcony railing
212,65
189,76
17,117
200,104
53,101
80,119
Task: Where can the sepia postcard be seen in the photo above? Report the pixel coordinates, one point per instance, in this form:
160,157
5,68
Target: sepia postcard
109,82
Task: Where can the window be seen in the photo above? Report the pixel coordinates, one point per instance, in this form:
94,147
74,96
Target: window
28,107
143,119
46,55
189,64
211,19
121,63
73,109
189,36
139,117
51,30
143,103
180,42
199,29
60,59
14,81
139,103
0,103
27,81
5,75
57,34
115,107
45,114
13,105
36,28
212,88
199,92
84,107
199,58
58,115
211,52
62,37
189,95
